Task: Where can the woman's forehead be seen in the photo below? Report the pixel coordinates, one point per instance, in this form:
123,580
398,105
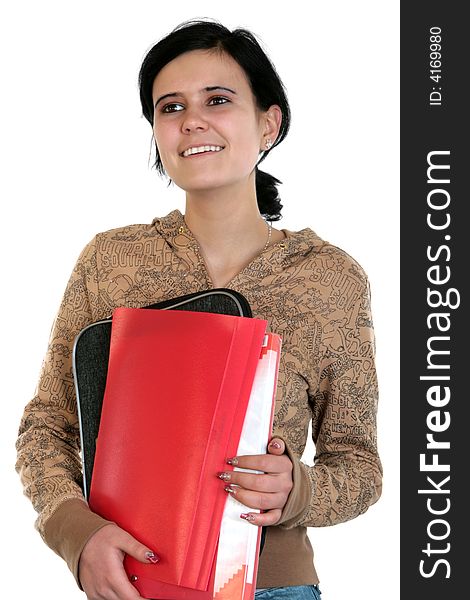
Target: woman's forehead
198,69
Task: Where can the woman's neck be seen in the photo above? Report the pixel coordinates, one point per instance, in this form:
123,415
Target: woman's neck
229,230
224,222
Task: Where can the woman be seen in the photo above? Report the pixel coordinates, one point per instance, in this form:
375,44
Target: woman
217,108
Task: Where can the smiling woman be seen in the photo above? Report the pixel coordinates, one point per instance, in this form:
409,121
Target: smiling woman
209,137
217,107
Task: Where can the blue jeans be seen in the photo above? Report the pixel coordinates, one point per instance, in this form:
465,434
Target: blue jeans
296,592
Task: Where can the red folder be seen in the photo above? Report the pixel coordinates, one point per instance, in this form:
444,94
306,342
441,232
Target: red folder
176,395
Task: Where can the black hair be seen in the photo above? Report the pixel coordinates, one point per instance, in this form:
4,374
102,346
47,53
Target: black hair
265,83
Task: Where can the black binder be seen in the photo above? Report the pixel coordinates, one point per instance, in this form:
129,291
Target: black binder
91,354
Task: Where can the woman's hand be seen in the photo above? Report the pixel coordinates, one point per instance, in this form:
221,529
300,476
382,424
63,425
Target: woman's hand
268,491
101,569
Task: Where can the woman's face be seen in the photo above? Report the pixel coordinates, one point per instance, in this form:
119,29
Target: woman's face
206,124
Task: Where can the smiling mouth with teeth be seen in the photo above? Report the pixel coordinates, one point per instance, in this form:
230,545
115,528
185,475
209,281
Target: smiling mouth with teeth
201,150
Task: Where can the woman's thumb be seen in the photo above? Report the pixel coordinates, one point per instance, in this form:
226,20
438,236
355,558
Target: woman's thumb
138,551
276,446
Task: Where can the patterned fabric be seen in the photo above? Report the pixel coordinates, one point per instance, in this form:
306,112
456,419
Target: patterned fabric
311,293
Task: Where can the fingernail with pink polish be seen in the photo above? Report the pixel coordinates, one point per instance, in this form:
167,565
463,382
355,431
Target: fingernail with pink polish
276,445
152,557
247,517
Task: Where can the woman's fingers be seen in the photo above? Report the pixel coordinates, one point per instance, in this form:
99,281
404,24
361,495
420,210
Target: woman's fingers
261,500
101,569
274,470
137,550
265,482
270,517
266,463
266,491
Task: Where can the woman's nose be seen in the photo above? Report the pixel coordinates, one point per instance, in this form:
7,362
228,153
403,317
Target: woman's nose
193,120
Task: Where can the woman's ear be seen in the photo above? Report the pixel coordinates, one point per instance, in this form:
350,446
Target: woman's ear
272,124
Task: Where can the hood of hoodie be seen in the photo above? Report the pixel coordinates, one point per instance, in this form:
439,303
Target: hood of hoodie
296,246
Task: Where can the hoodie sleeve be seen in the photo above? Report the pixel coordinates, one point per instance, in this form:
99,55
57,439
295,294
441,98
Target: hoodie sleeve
48,443
346,477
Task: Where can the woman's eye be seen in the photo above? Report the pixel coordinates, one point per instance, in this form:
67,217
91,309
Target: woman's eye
170,108
218,100
177,107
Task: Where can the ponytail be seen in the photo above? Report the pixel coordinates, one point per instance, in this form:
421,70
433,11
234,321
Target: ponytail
269,202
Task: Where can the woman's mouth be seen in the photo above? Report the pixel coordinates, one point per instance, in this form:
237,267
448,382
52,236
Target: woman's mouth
201,150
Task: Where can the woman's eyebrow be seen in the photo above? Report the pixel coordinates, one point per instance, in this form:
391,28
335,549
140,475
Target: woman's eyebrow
219,87
206,89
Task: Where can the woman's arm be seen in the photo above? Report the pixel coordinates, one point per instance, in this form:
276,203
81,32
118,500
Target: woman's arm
346,477
48,444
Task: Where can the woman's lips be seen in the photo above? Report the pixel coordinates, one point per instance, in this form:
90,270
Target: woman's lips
199,150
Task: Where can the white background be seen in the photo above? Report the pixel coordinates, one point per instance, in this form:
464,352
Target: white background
75,161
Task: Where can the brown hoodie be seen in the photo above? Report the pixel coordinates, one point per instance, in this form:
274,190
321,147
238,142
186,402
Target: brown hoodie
311,293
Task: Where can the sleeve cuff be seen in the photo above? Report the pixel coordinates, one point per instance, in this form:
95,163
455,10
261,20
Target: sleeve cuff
301,494
68,530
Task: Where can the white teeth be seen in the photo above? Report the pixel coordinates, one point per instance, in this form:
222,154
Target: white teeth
199,149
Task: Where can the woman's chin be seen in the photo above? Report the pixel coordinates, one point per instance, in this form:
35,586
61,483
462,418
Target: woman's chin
199,185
